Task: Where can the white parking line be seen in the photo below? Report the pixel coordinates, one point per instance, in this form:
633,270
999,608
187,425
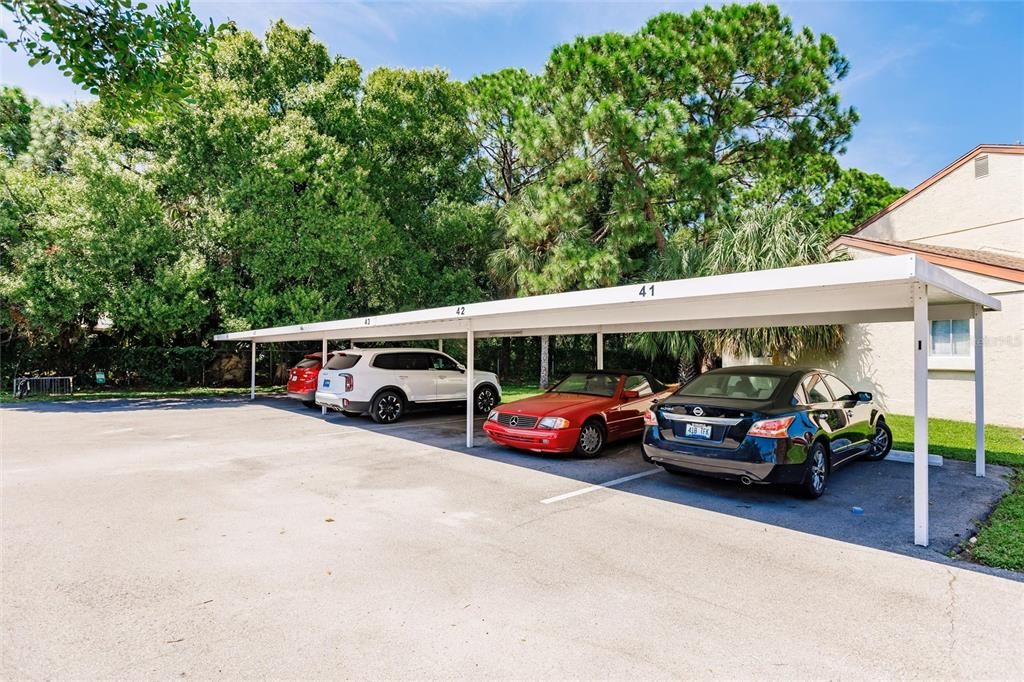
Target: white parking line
107,433
600,486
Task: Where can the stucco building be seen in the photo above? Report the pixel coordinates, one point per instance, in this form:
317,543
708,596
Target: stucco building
969,219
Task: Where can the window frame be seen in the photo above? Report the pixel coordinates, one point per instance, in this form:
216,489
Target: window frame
952,363
808,383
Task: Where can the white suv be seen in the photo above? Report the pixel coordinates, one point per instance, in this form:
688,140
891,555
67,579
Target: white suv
385,381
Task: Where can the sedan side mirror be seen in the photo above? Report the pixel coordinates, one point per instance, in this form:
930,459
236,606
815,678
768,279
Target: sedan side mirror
864,397
461,368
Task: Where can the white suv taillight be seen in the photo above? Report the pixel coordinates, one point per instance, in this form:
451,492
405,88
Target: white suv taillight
650,419
771,428
349,382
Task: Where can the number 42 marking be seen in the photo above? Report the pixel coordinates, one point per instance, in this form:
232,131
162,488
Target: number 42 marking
647,290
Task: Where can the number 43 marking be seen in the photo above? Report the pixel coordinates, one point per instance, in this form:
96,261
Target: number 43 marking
647,290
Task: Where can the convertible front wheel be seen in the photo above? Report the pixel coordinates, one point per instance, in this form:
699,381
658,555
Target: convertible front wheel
592,438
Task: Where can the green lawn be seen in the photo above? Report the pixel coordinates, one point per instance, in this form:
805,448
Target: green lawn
510,392
108,393
953,439
1001,540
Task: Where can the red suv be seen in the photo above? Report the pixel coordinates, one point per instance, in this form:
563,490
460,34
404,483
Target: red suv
302,379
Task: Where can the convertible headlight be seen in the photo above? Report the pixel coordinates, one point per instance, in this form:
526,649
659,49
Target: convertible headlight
553,423
493,416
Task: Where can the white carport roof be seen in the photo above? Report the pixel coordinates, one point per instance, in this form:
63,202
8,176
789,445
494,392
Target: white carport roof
882,289
868,290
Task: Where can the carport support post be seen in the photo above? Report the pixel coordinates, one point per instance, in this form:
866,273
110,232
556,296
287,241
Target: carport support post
600,350
252,373
920,295
440,345
323,363
470,385
979,392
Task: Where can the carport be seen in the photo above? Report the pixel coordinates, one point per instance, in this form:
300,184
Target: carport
883,289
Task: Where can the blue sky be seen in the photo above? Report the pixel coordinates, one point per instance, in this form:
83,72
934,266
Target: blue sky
930,80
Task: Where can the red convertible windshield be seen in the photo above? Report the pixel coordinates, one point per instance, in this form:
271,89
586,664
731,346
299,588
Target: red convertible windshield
599,384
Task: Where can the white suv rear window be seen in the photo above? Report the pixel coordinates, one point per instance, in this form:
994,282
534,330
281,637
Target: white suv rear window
343,361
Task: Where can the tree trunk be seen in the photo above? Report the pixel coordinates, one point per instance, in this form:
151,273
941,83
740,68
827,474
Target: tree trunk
544,361
687,369
505,357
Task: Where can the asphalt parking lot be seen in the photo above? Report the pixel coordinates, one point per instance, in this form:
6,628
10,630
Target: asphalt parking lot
223,538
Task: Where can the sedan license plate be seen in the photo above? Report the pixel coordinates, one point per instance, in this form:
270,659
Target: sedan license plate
327,383
698,431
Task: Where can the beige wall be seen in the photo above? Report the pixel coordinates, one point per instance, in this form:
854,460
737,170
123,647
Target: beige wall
958,211
986,214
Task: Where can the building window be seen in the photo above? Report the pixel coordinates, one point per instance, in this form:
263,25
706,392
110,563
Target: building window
951,346
951,338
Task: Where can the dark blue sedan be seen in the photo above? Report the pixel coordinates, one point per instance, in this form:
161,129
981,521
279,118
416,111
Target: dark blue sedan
764,424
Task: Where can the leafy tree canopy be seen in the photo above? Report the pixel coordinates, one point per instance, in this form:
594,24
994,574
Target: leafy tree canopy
129,54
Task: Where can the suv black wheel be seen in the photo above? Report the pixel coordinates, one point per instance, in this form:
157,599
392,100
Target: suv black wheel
485,399
881,442
816,475
387,407
592,438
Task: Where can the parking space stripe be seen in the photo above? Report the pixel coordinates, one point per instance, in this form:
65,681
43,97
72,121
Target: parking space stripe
600,486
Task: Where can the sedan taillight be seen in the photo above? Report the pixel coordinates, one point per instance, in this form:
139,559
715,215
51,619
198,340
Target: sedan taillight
771,428
650,419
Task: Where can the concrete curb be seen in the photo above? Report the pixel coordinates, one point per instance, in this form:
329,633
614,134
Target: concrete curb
908,457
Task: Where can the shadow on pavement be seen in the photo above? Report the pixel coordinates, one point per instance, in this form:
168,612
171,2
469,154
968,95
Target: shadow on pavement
884,490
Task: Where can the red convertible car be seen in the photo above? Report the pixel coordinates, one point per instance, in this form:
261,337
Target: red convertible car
581,413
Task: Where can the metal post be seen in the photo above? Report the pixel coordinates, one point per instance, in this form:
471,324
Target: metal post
920,296
600,350
440,345
252,373
323,363
979,392
470,385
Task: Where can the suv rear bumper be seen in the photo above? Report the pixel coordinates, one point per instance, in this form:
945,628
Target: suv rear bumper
337,402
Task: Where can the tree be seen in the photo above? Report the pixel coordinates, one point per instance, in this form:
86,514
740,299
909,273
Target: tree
498,102
15,116
128,54
655,132
850,199
825,195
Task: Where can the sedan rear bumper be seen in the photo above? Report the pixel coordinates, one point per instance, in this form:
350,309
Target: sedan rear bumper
535,440
767,460
304,396
714,466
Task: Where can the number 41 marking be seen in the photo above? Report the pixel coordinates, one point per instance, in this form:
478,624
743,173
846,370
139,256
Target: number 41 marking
647,290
